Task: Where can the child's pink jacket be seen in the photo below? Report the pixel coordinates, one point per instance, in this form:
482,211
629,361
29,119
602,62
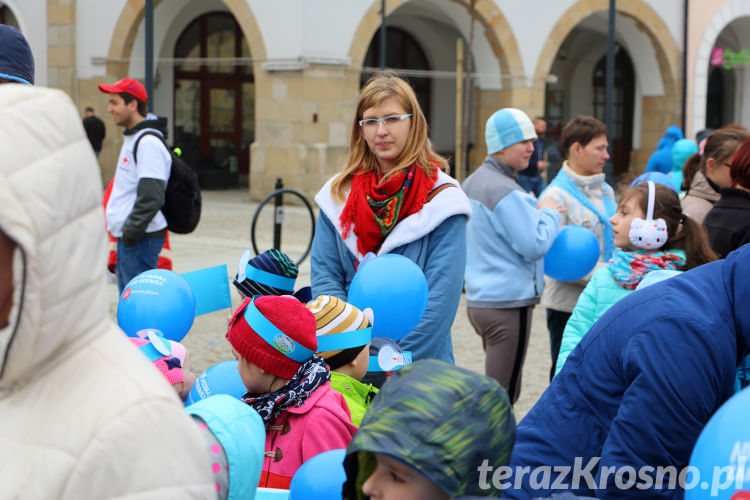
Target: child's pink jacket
322,423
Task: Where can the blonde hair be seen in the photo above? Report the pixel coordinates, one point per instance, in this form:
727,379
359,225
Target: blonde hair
417,150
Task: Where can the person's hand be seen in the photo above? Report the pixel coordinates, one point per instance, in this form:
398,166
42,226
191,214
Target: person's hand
541,165
550,204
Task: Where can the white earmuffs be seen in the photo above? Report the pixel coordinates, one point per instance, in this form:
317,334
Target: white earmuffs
651,233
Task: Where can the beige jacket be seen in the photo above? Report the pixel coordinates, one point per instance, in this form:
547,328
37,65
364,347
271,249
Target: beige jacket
560,295
83,414
700,198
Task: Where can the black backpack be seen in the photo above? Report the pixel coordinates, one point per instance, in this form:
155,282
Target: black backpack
182,199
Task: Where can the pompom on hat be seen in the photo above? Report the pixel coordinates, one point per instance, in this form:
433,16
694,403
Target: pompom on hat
506,127
166,355
275,333
270,273
342,329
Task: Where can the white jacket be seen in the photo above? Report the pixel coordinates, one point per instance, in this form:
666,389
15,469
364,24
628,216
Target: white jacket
82,413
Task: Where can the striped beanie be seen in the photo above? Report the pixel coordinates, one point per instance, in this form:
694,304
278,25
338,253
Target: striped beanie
333,317
270,273
506,127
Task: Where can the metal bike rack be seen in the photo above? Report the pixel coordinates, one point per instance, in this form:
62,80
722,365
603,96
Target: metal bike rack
278,217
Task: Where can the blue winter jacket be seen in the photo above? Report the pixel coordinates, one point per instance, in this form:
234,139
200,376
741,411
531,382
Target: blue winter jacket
642,384
601,293
661,159
434,238
507,239
240,431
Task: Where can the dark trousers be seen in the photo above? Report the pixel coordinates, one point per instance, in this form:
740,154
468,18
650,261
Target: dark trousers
505,338
556,321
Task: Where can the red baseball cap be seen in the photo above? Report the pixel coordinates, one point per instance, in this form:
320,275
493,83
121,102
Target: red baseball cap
128,86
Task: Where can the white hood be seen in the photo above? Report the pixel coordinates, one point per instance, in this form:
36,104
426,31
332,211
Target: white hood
50,189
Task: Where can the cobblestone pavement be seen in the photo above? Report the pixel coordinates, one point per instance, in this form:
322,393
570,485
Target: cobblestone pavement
224,233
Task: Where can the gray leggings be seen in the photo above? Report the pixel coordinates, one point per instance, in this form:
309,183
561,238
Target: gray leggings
505,337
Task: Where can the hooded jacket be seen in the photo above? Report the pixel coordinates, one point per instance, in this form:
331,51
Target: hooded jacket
681,151
700,198
661,159
641,385
84,414
728,222
445,422
434,238
239,430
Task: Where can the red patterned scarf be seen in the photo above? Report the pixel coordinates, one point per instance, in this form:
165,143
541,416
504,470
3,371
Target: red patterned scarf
374,208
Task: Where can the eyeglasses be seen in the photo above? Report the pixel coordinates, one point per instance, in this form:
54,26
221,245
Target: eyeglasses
372,123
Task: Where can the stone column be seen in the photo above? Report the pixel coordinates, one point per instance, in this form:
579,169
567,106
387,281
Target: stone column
659,112
61,58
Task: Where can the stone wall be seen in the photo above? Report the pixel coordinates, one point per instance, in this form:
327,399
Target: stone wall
303,119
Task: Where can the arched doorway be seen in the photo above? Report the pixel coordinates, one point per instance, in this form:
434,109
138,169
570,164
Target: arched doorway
621,134
402,52
715,100
568,67
720,74
214,101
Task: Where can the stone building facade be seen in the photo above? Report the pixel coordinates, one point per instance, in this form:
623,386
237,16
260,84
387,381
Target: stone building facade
254,90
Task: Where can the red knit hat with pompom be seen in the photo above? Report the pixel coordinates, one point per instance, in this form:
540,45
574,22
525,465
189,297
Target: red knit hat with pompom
286,313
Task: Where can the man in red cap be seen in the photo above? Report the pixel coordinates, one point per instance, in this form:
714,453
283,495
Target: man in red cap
133,211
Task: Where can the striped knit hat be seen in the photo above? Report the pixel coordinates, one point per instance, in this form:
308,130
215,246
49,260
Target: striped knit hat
342,329
270,273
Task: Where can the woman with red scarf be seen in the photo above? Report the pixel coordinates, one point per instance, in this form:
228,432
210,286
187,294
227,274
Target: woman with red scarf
393,197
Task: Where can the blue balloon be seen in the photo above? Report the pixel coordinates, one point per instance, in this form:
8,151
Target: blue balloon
657,178
221,378
572,255
721,456
395,288
158,299
320,478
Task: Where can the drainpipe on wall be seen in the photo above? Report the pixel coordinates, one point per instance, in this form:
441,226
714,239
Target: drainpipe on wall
382,35
684,64
609,86
150,53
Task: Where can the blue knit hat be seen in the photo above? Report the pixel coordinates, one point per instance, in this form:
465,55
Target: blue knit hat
16,59
507,127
